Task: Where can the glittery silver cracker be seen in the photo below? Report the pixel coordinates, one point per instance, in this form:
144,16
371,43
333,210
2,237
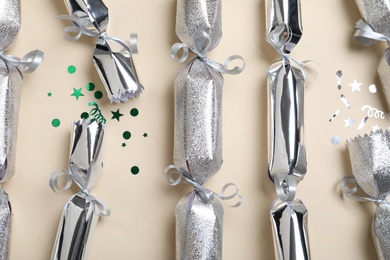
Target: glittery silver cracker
5,226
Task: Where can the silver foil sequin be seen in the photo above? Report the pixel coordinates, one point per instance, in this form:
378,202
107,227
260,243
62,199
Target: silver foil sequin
75,230
115,68
198,229
198,121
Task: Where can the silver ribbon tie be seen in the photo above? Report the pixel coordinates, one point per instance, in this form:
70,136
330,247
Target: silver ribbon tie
201,54
27,64
286,187
131,46
54,182
174,176
349,186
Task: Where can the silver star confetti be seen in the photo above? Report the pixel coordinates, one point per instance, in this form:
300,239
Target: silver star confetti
349,122
355,85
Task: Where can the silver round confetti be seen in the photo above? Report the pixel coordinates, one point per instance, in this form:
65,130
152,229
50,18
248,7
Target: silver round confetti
335,140
372,88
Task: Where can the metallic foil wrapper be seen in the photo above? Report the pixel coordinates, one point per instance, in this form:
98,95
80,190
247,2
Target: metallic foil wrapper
370,161
5,226
75,231
199,228
289,228
9,22
376,14
381,231
287,153
384,76
115,68
288,14
198,120
86,167
194,17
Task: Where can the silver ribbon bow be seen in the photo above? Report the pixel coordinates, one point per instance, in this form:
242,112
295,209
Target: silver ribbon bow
27,64
349,186
80,29
175,176
201,54
54,183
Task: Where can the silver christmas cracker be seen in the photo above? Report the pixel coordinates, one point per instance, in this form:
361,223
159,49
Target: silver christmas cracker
375,26
370,161
115,68
198,129
11,78
287,152
82,211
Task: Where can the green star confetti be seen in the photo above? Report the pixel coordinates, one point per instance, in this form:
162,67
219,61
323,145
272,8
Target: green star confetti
134,170
116,115
126,135
77,93
145,135
71,69
55,122
49,94
134,112
123,144
98,94
90,86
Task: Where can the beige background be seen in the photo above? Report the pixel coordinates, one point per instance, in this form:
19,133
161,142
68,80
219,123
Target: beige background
142,222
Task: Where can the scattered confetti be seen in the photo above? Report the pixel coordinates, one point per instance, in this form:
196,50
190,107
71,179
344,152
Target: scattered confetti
77,93
134,112
349,122
98,94
71,69
145,135
334,115
375,128
372,88
339,73
362,123
123,144
134,170
335,140
345,101
49,94
126,135
373,112
55,122
355,85
90,86
116,115
84,115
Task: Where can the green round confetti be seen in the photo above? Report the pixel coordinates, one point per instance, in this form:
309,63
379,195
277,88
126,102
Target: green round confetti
71,69
126,135
98,94
84,115
134,170
90,86
134,112
55,122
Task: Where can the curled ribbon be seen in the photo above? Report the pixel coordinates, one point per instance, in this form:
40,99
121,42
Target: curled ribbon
200,52
96,113
80,29
175,176
27,64
286,187
349,186
54,183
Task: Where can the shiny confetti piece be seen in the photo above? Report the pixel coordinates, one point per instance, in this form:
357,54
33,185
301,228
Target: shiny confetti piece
116,115
355,85
349,122
55,122
126,135
362,123
339,73
345,101
71,69
372,88
334,115
98,94
90,86
373,112
134,112
335,140
375,128
145,135
49,94
77,93
84,115
96,113
134,170
124,145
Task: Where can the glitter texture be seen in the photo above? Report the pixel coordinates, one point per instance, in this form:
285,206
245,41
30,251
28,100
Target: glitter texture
376,14
381,231
370,160
198,229
5,226
9,22
384,76
198,121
